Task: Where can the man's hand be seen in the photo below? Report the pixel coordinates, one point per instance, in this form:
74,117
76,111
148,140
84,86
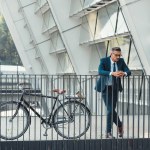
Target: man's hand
118,74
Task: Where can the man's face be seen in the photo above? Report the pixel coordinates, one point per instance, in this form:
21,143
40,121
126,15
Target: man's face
115,55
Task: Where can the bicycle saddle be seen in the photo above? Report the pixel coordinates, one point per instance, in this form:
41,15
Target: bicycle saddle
59,91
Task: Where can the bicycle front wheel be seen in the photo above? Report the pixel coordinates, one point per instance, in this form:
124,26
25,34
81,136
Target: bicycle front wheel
72,119
13,121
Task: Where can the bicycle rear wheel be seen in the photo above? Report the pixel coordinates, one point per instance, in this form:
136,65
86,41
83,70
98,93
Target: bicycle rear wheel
13,122
72,119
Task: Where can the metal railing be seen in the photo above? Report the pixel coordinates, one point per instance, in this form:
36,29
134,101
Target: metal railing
133,107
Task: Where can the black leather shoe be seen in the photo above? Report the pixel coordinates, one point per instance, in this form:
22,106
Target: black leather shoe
109,136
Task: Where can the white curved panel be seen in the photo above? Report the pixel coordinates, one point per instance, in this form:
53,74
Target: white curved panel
138,19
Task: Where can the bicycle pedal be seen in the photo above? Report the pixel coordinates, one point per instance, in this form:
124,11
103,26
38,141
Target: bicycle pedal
45,134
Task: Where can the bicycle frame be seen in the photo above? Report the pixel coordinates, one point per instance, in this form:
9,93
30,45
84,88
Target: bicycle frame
56,99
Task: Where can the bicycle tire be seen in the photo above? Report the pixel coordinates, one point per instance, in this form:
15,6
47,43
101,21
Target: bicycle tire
74,127
13,128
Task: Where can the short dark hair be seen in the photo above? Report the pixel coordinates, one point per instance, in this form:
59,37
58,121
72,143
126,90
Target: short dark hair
116,49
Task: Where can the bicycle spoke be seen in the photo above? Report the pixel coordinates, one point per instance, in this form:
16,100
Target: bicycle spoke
72,119
13,123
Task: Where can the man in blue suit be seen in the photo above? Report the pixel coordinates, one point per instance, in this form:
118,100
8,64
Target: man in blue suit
111,69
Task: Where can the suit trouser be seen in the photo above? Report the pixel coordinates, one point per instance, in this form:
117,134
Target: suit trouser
110,97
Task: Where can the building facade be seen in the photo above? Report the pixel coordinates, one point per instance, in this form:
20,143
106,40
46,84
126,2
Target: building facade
70,36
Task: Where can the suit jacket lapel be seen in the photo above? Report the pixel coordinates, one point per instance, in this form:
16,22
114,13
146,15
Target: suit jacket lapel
108,63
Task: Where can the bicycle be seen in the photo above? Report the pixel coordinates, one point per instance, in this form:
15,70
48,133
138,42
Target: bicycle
15,117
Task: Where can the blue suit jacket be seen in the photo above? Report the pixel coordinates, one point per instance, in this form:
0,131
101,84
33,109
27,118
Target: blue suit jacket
104,70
